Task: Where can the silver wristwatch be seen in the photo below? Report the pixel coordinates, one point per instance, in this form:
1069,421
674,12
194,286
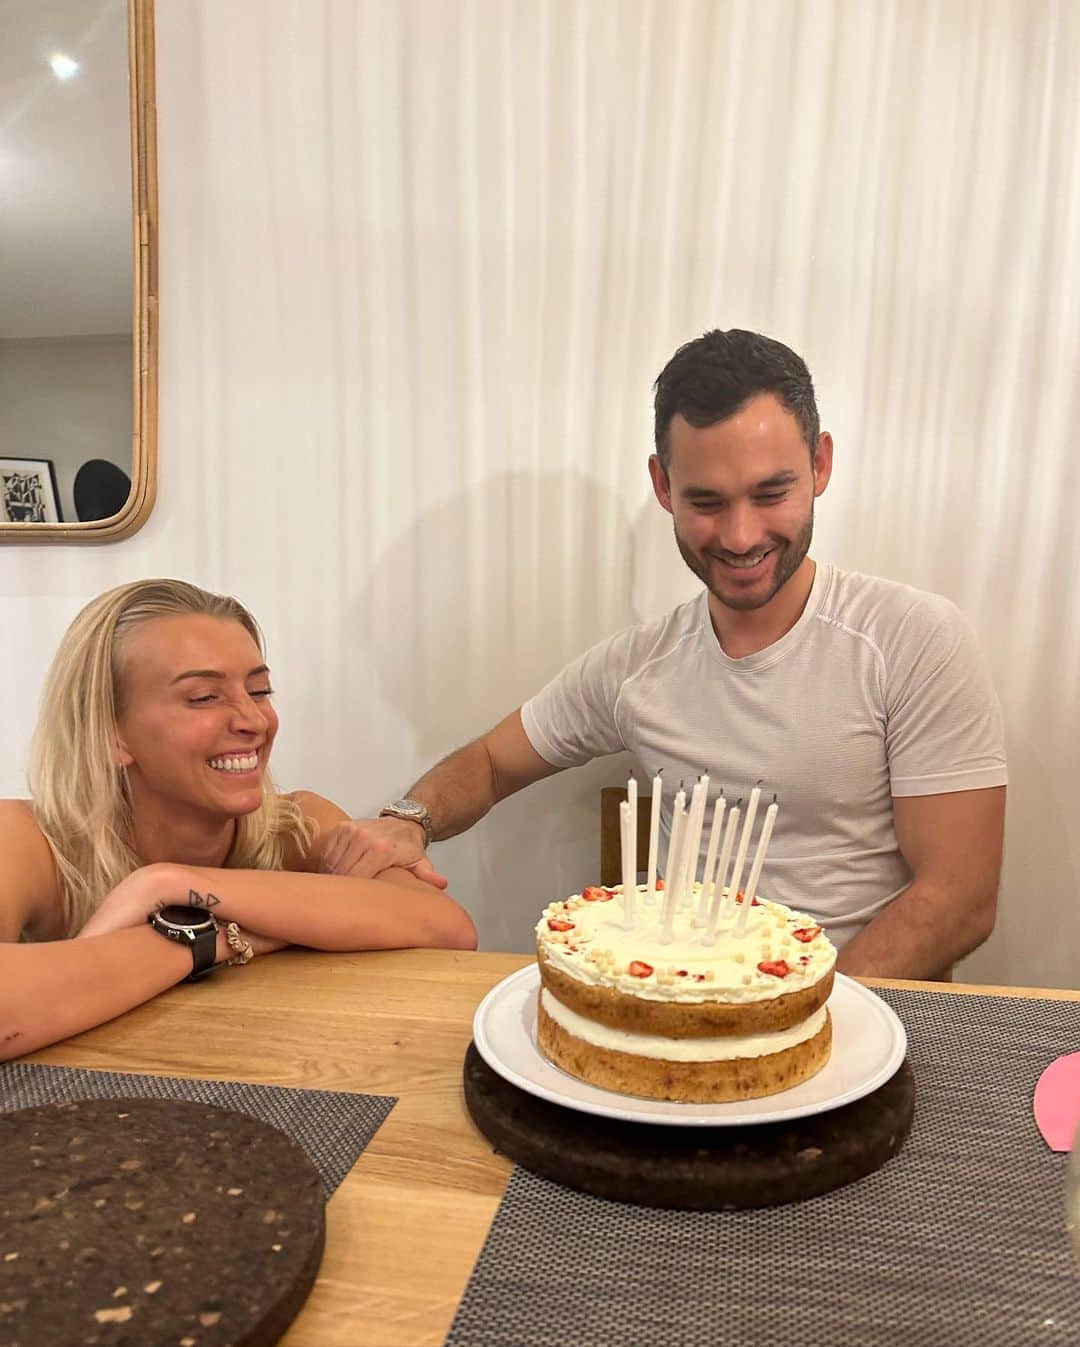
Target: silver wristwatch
413,812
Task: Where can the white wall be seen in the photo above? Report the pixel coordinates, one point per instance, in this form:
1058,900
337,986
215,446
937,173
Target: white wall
67,399
420,264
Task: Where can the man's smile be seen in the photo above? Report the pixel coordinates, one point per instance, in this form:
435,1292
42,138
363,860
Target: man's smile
748,566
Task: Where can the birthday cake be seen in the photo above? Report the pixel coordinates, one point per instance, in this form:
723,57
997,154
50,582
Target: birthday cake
686,1001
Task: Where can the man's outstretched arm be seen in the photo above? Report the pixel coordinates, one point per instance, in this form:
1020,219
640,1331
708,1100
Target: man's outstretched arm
953,844
458,792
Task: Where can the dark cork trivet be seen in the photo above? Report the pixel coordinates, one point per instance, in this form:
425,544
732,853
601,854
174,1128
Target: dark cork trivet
139,1222
692,1168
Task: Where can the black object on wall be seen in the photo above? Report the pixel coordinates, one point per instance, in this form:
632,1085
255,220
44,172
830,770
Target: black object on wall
101,489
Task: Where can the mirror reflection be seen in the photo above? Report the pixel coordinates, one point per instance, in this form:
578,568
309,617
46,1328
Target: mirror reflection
66,358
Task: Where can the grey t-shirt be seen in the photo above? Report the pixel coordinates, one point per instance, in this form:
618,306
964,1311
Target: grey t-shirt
877,691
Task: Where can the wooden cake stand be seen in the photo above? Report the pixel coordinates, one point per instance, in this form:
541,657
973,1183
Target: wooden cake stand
153,1221
693,1168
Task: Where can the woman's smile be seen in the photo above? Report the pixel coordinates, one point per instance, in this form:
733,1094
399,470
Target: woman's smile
237,763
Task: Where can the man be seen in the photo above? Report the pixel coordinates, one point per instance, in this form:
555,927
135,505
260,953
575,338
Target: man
861,703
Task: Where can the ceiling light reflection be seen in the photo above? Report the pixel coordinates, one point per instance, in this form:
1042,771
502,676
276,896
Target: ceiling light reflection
63,67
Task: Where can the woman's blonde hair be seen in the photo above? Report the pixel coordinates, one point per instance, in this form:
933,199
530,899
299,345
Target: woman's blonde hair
79,793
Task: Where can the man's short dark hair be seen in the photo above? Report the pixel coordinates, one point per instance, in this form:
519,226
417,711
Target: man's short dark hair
715,375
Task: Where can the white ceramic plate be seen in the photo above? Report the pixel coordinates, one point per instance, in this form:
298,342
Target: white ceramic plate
868,1046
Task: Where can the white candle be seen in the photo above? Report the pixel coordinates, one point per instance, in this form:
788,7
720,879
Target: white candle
631,800
759,861
721,871
744,845
671,892
710,861
654,836
628,837
675,877
698,802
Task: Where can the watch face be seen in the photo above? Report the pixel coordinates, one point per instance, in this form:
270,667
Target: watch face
409,807
182,914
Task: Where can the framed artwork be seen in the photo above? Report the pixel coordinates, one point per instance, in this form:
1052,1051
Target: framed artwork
28,492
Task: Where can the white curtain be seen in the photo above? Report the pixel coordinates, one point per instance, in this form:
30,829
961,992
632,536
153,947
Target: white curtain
421,262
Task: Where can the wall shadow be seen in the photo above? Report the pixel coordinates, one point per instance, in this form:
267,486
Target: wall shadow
476,606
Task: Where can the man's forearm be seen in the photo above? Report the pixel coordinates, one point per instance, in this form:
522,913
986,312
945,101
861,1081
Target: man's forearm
919,935
459,790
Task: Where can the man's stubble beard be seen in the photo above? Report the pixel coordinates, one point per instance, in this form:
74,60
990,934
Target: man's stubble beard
792,553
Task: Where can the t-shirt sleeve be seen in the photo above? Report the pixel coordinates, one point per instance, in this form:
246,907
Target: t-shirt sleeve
572,719
944,726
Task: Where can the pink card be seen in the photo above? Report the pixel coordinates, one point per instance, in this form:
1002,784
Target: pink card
1057,1102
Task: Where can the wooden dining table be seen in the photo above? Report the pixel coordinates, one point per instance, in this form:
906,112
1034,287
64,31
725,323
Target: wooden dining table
406,1226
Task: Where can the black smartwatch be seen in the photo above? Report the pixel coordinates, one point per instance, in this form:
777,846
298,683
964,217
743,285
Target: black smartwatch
193,926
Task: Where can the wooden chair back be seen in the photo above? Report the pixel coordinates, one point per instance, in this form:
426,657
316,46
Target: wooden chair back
610,844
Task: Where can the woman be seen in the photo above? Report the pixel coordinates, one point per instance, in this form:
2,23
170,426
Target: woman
150,789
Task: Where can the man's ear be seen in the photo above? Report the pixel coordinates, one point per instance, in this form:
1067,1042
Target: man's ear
822,462
661,484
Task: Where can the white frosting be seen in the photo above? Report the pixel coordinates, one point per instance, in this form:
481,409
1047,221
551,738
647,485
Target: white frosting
598,951
680,1049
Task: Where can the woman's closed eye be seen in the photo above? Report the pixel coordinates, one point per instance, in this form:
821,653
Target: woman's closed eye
256,694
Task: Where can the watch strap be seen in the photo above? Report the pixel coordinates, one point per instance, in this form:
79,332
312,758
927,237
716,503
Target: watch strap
202,943
412,811
203,954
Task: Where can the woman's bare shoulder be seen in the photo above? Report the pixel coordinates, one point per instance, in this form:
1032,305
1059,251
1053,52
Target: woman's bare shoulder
29,892
21,833
321,815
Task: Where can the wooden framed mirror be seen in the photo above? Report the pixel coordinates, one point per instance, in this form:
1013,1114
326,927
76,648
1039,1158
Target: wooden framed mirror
78,270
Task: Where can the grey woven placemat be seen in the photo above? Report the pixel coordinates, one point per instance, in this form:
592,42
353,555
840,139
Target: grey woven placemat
331,1126
957,1242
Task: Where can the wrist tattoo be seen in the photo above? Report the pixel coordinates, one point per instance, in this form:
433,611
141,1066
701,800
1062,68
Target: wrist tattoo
194,900
202,900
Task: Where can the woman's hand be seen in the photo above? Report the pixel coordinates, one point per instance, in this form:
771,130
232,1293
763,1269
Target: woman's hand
145,891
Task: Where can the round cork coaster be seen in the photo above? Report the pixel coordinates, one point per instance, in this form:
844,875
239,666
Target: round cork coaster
150,1221
692,1168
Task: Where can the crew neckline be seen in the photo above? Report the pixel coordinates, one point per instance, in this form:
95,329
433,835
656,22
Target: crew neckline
762,659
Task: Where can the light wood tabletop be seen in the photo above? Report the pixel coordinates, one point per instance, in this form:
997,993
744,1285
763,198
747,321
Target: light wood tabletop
406,1226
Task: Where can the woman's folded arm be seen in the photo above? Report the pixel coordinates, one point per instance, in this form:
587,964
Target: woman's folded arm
328,912
331,912
57,988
